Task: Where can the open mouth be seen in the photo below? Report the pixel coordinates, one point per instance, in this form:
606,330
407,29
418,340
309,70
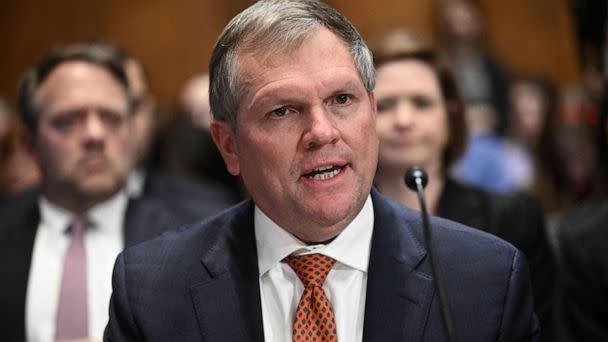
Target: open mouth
324,172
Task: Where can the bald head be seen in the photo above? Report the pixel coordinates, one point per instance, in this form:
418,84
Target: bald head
194,100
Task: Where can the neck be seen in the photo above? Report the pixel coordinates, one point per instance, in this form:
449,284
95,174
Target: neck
391,183
73,202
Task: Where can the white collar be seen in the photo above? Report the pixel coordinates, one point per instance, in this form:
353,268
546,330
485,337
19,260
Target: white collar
105,216
351,247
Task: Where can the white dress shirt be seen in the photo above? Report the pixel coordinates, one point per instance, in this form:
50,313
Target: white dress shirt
344,286
103,241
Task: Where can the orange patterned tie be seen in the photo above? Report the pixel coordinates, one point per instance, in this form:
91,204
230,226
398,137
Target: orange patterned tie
314,319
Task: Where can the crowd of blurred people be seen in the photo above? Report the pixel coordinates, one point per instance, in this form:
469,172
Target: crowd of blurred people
511,154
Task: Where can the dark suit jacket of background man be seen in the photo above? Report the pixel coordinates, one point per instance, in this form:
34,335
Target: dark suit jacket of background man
202,283
146,218
190,200
582,293
518,219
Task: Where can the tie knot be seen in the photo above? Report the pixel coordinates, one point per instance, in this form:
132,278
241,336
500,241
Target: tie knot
77,227
312,269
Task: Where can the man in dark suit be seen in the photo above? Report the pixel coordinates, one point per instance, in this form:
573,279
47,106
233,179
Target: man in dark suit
316,253
77,108
582,281
582,290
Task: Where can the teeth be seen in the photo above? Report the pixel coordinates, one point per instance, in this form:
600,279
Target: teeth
325,175
323,168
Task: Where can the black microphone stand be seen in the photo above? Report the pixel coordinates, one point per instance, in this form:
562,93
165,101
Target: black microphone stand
416,179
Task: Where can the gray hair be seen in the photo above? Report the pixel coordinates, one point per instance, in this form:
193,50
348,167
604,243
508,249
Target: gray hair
271,25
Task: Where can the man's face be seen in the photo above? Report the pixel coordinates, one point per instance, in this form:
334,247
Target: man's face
82,141
305,142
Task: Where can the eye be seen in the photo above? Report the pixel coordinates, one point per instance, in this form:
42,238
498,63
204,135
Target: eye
387,104
63,123
112,118
422,102
279,112
342,99
67,121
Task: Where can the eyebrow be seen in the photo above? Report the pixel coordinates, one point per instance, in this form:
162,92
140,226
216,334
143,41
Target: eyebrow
281,94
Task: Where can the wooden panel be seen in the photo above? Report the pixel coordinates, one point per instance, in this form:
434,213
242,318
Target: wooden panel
534,36
373,18
174,38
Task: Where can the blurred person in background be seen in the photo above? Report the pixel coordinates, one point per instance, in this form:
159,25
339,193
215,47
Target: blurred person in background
59,241
580,175
481,77
194,100
582,234
190,199
534,113
485,163
188,149
421,121
582,287
483,84
18,171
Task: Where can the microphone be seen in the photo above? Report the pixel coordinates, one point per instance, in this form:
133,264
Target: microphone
415,175
416,179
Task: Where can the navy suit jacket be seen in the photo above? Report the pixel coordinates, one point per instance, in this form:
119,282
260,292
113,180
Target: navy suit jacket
201,283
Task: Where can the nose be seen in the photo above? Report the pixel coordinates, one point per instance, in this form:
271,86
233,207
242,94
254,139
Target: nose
94,128
321,129
404,115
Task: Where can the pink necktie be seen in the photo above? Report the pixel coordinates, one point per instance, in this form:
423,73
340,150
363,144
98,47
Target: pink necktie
72,311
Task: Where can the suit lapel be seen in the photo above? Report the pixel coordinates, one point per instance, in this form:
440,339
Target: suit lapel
225,290
226,294
398,295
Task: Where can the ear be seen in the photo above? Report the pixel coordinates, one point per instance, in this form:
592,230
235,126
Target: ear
372,100
224,139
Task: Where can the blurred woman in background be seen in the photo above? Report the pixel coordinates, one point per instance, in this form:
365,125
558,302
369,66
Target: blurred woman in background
421,121
533,112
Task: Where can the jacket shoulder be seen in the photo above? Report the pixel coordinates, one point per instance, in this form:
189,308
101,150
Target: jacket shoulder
19,210
197,237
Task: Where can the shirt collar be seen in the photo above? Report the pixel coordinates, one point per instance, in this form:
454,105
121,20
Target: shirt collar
351,247
105,216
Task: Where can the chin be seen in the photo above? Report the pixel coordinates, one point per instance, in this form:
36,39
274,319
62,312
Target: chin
334,210
101,188
399,162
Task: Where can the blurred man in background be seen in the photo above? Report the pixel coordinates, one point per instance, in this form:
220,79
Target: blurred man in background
188,149
59,241
194,100
189,199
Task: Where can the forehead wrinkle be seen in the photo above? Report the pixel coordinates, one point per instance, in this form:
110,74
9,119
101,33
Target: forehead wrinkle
255,65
